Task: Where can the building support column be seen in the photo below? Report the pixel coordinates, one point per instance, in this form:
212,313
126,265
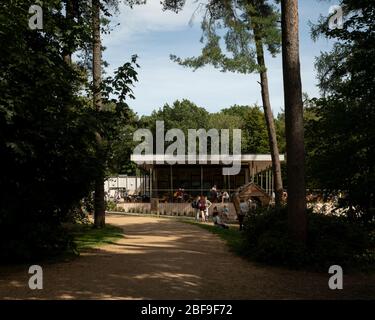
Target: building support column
201,180
171,184
150,183
252,172
247,174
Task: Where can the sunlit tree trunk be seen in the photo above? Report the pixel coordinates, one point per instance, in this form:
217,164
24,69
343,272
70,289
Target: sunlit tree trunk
294,121
276,168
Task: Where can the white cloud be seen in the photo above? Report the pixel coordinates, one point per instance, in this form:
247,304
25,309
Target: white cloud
148,18
154,34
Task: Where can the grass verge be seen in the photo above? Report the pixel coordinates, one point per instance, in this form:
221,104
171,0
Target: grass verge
232,236
86,237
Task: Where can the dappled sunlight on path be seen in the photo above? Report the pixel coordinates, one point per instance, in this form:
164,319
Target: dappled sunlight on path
167,259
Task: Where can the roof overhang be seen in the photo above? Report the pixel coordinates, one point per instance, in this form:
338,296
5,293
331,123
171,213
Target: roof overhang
258,160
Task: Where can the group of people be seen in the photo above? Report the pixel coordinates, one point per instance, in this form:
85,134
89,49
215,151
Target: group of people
201,206
218,196
180,195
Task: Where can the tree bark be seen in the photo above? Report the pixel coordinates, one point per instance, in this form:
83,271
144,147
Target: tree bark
99,214
272,140
294,121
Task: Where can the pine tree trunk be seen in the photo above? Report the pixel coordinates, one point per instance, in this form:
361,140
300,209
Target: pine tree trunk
99,214
272,140
294,121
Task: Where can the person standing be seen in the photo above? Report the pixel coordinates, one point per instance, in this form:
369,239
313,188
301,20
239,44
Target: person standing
213,193
225,196
202,207
208,205
195,205
244,209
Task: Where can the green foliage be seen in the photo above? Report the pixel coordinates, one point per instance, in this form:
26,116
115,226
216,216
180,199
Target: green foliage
254,130
47,129
181,114
43,124
331,240
186,115
234,24
340,138
78,214
110,205
280,132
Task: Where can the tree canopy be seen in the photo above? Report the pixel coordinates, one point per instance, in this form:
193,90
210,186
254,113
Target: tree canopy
341,136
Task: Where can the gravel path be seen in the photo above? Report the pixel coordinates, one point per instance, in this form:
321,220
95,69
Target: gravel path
167,259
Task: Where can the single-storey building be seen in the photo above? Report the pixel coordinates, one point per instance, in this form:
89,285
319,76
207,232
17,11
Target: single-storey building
198,178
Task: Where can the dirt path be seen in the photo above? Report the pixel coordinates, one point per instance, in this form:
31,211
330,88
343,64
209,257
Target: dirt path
167,259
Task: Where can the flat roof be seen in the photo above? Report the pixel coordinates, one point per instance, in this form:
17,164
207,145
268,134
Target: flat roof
199,159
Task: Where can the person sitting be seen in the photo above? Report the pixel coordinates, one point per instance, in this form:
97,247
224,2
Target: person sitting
225,196
216,219
180,195
208,205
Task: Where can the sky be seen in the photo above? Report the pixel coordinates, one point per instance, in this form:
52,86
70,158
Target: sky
153,35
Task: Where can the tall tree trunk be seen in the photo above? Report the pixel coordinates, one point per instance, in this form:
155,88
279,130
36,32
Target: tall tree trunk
99,214
272,140
294,121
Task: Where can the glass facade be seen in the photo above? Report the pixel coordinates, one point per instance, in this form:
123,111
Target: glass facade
194,179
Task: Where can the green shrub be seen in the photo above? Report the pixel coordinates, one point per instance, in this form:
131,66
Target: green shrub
331,240
78,214
31,246
110,205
